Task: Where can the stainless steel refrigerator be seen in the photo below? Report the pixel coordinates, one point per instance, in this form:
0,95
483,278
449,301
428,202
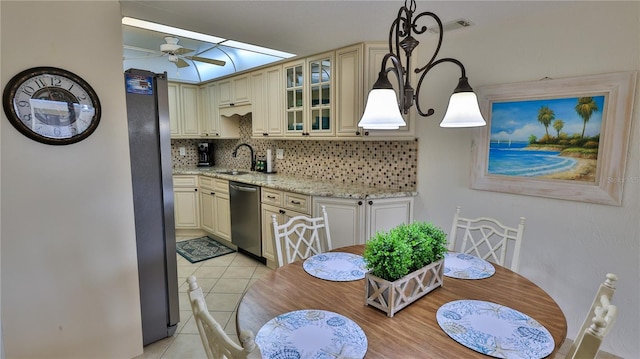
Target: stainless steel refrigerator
151,175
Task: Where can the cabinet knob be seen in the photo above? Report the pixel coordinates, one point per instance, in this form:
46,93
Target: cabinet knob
265,134
370,202
357,133
195,189
213,193
359,203
232,104
366,133
282,211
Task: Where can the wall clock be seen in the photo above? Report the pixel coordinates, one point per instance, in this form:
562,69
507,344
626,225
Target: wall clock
51,105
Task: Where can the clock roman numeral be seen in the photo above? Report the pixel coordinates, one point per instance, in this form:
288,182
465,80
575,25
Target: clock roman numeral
28,90
40,82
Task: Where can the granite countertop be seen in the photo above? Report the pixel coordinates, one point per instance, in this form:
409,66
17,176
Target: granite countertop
289,183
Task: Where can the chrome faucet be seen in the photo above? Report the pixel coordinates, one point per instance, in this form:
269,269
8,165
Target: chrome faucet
253,157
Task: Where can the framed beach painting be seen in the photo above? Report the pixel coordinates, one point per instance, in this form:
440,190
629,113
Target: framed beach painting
557,138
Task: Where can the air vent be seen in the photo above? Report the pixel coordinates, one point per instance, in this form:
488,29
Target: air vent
452,25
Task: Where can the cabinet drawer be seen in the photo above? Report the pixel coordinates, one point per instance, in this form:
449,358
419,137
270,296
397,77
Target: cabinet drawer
206,182
271,196
297,202
220,185
185,181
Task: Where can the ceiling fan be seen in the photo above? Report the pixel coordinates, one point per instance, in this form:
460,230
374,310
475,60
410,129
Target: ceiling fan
176,53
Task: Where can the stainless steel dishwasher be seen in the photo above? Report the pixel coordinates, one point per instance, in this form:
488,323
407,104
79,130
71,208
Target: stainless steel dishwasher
245,219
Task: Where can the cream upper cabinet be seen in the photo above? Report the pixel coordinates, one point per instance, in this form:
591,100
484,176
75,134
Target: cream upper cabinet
295,97
349,90
309,97
209,115
184,110
373,55
234,91
320,102
174,108
266,99
212,125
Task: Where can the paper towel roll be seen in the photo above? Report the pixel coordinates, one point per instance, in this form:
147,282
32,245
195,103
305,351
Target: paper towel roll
269,164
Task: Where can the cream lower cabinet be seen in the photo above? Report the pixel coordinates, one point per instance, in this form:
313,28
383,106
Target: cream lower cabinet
186,202
382,214
215,210
284,205
354,221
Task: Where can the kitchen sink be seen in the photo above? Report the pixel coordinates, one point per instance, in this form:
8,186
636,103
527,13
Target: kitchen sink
233,172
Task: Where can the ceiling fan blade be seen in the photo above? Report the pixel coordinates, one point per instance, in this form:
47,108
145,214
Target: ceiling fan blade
204,59
181,63
182,51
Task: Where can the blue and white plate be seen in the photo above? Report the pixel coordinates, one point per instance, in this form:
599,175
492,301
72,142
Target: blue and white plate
336,266
317,334
495,330
465,266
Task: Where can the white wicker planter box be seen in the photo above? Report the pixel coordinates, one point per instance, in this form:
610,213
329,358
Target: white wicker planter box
390,297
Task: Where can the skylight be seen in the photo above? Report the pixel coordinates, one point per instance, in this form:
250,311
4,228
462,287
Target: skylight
190,54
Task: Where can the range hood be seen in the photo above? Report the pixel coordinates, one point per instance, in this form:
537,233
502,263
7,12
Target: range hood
235,110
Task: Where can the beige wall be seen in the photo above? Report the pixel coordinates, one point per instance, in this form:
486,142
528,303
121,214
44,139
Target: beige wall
568,246
69,267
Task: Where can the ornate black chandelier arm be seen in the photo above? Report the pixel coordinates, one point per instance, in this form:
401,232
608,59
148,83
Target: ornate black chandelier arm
426,69
401,37
406,98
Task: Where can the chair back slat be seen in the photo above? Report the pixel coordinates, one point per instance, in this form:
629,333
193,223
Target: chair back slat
216,343
486,238
300,237
598,322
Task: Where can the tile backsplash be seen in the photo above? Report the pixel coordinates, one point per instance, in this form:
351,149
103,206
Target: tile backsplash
388,164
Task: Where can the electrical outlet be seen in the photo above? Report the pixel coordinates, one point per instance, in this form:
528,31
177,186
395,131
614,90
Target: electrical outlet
279,153
183,151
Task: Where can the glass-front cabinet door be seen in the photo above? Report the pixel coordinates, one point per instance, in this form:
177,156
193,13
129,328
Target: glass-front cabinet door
320,103
295,97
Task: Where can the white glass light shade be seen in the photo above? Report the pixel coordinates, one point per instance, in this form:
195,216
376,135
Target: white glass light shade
382,111
463,111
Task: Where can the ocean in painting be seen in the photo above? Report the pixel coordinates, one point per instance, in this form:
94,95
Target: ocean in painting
511,159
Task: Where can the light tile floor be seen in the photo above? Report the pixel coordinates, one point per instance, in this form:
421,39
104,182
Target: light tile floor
223,280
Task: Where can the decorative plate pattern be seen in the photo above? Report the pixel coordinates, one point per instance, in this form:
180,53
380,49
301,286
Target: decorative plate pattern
336,266
317,334
465,266
495,330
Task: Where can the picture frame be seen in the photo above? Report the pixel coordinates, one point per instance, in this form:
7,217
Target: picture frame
587,165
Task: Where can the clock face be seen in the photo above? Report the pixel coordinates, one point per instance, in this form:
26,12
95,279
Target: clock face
51,105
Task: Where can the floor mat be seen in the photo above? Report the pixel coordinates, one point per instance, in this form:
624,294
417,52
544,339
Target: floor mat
200,249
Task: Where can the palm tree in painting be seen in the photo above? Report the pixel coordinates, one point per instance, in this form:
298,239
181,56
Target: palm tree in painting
545,117
585,108
558,125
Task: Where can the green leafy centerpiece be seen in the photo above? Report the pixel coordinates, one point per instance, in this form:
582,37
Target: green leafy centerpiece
404,264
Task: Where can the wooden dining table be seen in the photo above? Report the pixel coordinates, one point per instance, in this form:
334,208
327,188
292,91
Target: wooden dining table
413,332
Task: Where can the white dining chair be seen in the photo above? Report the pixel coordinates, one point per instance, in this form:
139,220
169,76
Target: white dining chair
598,322
216,342
301,237
486,238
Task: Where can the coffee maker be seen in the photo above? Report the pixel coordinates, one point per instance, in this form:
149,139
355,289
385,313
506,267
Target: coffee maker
205,154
